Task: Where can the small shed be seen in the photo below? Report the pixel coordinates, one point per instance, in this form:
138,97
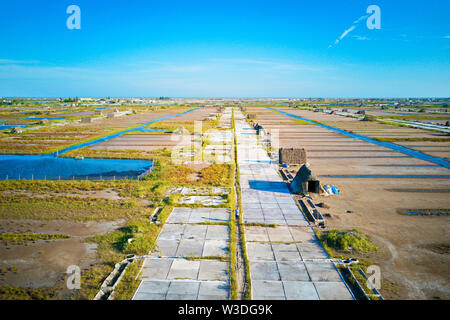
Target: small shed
16,130
292,155
304,181
86,120
258,128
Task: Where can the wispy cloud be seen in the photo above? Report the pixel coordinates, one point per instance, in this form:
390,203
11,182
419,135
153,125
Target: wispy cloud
348,30
361,38
11,61
446,37
274,65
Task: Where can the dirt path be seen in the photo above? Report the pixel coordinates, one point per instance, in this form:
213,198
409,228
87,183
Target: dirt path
414,292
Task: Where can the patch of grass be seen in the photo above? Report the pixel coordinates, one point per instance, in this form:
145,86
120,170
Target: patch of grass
216,175
114,246
348,241
68,208
128,285
117,154
22,238
260,224
301,122
16,293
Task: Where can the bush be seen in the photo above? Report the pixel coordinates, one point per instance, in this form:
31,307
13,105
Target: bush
352,240
216,175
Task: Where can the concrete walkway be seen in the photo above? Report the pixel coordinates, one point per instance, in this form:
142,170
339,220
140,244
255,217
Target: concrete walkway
187,263
286,262
170,272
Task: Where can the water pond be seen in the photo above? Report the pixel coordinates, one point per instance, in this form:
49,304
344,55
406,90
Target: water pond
52,168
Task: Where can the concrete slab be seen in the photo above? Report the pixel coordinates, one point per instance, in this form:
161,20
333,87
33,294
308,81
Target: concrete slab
286,252
215,248
332,291
213,270
256,234
166,248
264,270
267,290
197,232
217,232
171,231
280,234
184,269
184,288
198,215
219,215
300,290
181,297
149,296
311,250
293,271
302,234
217,289
297,222
260,251
154,286
156,268
322,271
190,248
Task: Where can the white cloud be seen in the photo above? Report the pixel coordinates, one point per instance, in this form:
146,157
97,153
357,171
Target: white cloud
274,65
347,31
10,61
361,38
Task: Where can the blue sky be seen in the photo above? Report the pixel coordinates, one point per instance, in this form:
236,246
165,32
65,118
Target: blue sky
224,49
